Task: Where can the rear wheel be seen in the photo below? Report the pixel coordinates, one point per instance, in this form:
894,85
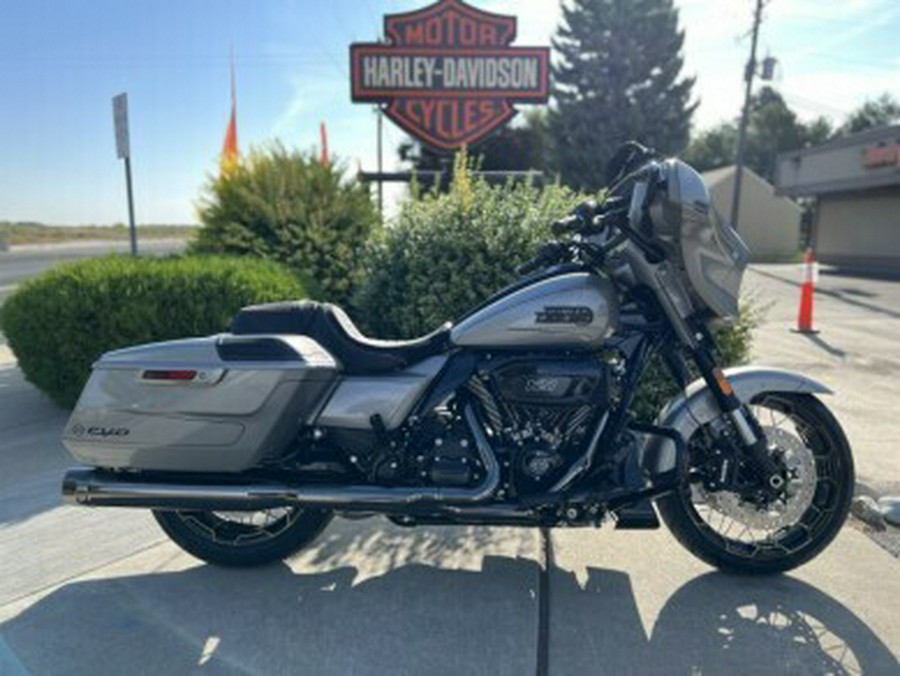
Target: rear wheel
738,535
243,538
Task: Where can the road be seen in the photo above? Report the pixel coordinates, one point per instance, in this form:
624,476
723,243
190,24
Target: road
856,353
102,592
24,262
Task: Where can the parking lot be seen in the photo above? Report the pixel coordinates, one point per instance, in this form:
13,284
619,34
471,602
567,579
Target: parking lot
97,592
856,353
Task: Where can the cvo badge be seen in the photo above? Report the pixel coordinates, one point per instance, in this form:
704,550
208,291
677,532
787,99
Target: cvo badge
448,73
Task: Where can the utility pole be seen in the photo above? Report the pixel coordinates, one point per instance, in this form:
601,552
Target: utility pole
749,72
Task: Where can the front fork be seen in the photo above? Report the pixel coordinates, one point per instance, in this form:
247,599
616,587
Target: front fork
752,442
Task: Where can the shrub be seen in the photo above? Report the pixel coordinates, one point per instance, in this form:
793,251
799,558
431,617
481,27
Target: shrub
447,252
734,343
58,324
288,207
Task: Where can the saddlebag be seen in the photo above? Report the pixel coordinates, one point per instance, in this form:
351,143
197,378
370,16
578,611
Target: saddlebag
216,404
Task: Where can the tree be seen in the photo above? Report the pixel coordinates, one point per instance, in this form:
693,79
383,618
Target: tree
713,148
287,206
878,112
772,128
618,78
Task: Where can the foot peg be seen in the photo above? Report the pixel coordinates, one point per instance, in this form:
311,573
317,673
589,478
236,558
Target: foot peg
640,516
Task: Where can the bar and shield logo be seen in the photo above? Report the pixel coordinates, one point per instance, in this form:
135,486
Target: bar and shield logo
448,73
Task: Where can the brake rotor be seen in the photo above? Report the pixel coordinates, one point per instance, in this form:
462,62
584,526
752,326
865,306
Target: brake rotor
796,496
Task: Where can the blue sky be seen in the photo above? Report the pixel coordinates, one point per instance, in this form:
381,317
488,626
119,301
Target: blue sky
61,61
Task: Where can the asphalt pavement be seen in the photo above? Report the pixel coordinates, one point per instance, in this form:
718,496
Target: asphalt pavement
102,592
856,352
24,262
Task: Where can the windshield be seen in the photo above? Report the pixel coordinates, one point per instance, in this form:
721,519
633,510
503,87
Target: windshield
712,254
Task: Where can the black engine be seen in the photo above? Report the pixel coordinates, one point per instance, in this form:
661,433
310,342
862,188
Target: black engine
540,413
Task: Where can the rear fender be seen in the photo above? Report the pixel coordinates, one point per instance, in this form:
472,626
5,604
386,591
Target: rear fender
697,406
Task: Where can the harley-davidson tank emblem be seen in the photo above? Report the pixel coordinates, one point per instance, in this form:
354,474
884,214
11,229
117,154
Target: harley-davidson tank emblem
579,315
448,72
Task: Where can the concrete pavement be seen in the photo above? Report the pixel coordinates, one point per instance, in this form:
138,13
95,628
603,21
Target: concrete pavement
102,592
857,353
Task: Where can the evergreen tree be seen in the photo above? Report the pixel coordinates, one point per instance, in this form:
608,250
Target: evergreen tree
618,78
285,205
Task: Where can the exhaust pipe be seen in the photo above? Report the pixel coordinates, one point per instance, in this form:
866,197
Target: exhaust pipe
100,488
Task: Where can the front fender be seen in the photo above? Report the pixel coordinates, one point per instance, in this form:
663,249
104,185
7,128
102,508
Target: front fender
697,406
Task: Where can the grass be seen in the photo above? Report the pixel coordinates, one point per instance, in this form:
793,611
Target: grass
37,233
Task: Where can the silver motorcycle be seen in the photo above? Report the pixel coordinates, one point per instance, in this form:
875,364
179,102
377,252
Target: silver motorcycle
246,444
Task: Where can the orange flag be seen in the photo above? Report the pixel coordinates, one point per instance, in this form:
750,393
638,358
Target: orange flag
323,143
229,157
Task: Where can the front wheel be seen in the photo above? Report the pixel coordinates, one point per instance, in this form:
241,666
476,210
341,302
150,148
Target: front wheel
243,539
739,535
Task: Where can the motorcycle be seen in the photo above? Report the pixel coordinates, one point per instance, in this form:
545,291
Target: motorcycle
246,444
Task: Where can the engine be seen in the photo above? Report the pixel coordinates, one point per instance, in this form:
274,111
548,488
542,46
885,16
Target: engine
540,414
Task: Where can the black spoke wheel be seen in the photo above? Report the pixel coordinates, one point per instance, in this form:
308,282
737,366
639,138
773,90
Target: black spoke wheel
243,538
735,534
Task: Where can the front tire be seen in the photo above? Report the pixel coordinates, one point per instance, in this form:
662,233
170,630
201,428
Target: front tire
243,539
709,524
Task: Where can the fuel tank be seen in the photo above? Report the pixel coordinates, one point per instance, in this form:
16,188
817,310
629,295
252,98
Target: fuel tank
576,310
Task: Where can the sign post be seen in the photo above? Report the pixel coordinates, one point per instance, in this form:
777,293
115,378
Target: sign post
123,152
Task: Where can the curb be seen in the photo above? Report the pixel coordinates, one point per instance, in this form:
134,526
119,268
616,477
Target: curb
6,356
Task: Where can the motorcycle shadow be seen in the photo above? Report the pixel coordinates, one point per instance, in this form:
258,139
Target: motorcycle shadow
713,624
432,605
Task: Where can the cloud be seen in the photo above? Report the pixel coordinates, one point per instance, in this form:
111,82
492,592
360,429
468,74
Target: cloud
310,96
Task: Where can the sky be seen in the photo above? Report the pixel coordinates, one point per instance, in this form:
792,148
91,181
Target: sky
61,61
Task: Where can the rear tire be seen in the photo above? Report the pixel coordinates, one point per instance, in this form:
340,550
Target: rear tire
243,539
791,545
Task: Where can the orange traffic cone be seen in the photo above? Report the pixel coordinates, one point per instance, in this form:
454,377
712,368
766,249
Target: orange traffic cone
805,316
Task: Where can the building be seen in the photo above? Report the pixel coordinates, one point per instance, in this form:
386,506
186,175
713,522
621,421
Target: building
768,223
856,182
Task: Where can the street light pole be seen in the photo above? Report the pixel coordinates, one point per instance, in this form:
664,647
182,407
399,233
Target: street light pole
749,72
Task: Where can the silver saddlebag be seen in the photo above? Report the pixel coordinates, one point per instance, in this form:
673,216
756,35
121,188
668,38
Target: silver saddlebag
217,404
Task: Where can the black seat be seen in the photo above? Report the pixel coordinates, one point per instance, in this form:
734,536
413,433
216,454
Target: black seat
330,326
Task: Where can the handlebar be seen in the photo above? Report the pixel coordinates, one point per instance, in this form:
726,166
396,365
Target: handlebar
590,218
585,218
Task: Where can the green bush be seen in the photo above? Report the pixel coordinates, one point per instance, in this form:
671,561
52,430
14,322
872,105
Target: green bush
734,343
58,324
284,205
447,252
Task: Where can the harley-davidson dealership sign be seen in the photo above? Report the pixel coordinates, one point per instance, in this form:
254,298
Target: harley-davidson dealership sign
448,73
